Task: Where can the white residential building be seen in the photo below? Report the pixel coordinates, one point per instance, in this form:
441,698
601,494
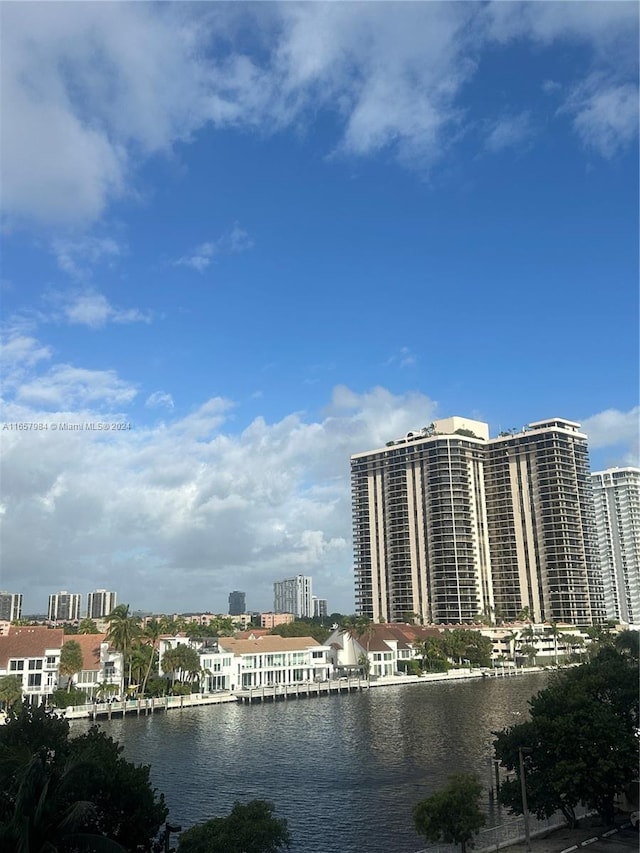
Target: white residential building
616,494
294,595
100,603
232,664
64,606
101,666
33,654
10,606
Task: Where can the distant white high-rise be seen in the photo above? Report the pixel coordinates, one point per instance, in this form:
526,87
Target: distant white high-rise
293,595
64,606
10,606
616,494
100,603
319,607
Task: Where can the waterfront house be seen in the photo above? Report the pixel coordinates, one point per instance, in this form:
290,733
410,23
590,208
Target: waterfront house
101,666
258,660
32,652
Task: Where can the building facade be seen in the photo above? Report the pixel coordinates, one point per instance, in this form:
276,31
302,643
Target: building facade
10,606
237,603
319,607
64,606
452,526
419,526
294,595
542,536
100,603
617,511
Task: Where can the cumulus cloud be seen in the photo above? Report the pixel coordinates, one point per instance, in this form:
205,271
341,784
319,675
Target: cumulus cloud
65,387
173,512
84,106
92,309
615,429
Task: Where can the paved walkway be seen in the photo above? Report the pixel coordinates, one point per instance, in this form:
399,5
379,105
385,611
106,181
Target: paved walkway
566,839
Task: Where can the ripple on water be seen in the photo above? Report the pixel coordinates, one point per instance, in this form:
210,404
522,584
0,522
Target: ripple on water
344,770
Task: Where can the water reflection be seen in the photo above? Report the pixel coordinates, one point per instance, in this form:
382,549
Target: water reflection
344,770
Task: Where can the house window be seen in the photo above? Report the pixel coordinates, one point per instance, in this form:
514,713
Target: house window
109,669
16,665
35,664
51,661
316,655
35,679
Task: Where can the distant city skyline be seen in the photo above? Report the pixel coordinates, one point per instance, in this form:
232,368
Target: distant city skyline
293,233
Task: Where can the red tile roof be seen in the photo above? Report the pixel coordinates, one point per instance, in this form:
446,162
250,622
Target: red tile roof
90,645
29,641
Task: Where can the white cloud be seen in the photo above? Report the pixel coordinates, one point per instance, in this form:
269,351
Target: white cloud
172,513
65,387
237,240
84,106
92,309
77,256
510,131
615,429
159,399
605,114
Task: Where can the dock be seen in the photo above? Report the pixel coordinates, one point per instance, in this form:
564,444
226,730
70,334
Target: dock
304,690
142,707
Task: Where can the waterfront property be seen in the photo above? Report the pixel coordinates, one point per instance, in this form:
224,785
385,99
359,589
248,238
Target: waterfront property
32,652
228,663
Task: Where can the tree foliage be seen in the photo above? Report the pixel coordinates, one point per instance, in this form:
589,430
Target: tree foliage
302,628
70,661
57,788
581,738
250,828
10,690
452,815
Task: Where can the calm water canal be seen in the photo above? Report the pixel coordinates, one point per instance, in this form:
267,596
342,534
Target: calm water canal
344,770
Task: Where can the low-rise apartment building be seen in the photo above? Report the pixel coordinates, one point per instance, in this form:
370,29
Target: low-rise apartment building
32,653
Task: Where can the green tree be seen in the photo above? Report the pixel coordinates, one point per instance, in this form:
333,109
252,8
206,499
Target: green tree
59,789
124,629
580,740
70,661
10,690
250,828
452,815
87,626
301,628
151,634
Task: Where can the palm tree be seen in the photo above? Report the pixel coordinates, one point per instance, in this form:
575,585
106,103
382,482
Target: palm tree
123,630
10,691
512,638
152,632
554,632
43,819
71,661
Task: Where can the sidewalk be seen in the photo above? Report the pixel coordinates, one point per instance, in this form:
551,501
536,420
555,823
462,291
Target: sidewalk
563,839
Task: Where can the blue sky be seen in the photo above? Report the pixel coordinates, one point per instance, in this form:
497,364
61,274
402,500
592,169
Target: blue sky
270,235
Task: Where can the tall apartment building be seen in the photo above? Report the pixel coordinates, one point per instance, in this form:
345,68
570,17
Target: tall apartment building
10,606
293,595
419,526
100,603
237,603
451,525
319,607
542,536
616,494
64,606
